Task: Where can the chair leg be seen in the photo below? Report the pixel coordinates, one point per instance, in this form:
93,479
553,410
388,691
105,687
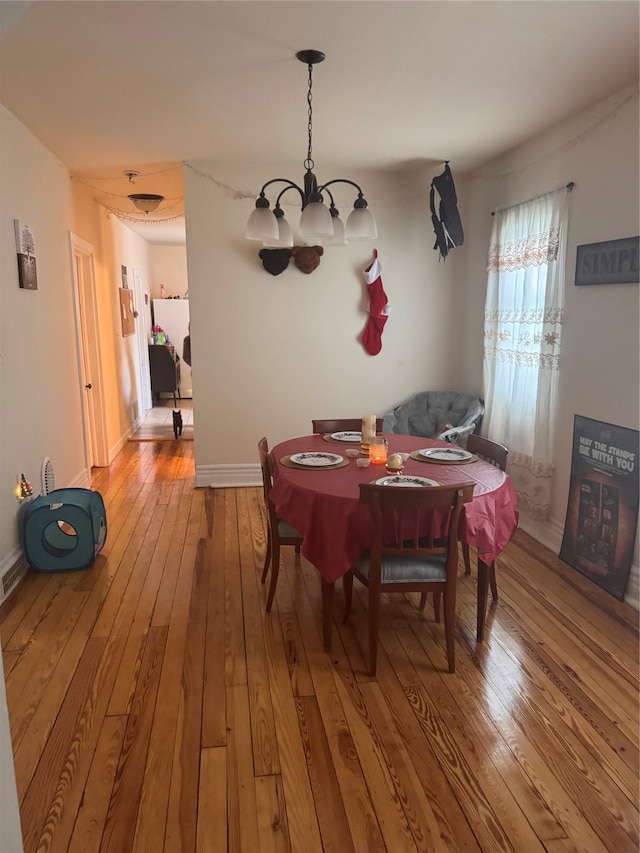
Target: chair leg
466,558
423,600
267,556
327,613
483,585
296,559
275,571
450,629
492,581
436,606
347,585
374,624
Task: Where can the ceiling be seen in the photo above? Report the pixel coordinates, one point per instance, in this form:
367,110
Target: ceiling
111,86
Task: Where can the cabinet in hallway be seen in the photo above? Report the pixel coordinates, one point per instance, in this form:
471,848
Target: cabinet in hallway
172,315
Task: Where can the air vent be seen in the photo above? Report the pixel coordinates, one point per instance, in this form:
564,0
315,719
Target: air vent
11,577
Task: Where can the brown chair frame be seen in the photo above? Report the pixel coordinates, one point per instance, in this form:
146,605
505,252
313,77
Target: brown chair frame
496,454
388,506
274,537
329,425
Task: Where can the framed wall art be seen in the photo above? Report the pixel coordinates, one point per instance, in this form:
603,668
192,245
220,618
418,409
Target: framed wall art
610,262
26,248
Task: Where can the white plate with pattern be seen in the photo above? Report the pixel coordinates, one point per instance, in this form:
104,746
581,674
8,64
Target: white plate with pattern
316,460
405,480
446,454
352,437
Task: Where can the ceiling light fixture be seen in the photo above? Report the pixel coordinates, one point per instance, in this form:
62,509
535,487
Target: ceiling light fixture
317,222
146,202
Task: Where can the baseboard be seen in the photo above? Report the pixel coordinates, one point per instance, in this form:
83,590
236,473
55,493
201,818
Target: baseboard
228,476
113,452
549,533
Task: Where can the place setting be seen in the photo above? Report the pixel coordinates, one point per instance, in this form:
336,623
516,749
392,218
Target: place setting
444,455
343,438
314,461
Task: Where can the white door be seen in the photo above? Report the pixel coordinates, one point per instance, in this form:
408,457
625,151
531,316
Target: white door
143,329
87,346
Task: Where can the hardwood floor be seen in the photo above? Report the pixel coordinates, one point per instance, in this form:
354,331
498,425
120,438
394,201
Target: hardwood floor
154,705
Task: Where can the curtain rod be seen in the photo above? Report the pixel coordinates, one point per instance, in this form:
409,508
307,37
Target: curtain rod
568,186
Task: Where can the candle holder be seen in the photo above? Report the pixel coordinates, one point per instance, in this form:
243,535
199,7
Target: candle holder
378,450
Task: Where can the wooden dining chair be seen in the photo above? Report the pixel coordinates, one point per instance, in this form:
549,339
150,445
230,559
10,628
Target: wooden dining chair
279,531
496,454
411,562
328,425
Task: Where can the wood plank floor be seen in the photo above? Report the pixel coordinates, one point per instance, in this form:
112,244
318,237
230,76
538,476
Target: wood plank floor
155,706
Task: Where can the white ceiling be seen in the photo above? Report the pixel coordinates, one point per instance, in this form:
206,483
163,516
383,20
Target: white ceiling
108,86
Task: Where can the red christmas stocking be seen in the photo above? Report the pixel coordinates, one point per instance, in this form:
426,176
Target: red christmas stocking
378,307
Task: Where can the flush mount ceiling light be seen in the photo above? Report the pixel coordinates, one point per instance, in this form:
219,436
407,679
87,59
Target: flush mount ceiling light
146,202
317,222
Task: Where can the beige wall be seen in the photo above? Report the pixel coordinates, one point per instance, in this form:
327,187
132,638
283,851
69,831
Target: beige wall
168,266
272,352
597,149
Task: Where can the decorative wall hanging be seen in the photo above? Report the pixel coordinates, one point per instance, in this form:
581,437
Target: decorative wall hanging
275,261
378,307
602,510
307,258
317,221
448,225
125,282
26,247
610,262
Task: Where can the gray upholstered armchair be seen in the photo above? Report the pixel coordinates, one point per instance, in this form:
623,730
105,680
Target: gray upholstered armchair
428,412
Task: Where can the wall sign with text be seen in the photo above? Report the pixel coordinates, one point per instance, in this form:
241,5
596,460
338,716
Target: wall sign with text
611,262
602,511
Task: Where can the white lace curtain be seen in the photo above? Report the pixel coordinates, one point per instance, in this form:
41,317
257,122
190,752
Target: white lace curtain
522,340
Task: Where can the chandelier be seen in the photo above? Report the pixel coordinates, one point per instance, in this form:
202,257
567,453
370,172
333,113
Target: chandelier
317,221
146,202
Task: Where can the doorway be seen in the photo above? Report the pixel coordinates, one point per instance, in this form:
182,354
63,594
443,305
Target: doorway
87,347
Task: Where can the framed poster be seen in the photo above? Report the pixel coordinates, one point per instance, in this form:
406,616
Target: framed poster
602,511
26,247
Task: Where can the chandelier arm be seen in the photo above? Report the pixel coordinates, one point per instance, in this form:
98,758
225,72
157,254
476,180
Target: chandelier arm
340,181
291,185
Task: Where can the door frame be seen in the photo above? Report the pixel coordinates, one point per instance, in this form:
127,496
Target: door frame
143,330
87,328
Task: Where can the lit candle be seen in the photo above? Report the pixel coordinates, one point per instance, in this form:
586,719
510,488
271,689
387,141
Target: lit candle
378,450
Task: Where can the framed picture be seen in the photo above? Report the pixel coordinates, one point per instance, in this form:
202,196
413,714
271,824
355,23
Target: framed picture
125,282
602,510
26,248
611,262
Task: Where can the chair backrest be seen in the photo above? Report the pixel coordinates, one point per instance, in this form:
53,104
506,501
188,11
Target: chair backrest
488,450
325,425
404,520
263,451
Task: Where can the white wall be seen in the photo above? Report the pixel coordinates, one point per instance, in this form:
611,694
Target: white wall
598,149
272,352
40,411
168,266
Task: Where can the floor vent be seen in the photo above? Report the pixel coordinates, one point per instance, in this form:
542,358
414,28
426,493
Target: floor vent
11,577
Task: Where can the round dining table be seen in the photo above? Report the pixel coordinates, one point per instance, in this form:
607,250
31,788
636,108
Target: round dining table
323,505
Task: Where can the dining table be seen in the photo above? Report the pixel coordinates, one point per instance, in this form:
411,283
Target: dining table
322,503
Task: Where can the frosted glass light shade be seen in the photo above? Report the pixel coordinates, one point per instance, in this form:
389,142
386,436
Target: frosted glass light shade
285,236
261,225
315,221
361,225
339,238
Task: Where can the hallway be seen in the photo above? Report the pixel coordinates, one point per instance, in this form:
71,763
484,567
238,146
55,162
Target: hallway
158,425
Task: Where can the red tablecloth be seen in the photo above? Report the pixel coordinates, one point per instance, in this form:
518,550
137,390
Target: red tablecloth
324,505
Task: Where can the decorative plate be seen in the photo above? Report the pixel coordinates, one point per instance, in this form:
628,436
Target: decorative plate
446,454
347,436
404,480
316,460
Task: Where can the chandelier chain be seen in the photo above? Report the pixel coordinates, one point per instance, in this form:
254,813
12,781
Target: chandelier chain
308,163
